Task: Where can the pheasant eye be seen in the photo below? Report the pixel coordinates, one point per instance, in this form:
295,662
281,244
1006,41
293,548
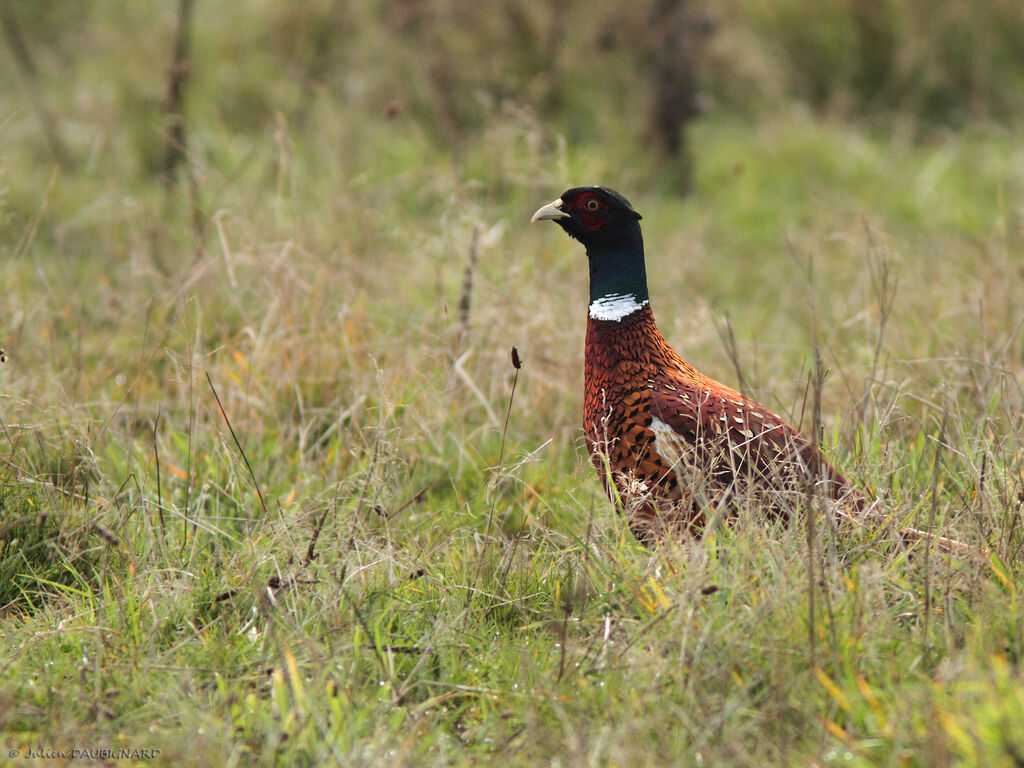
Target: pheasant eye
593,204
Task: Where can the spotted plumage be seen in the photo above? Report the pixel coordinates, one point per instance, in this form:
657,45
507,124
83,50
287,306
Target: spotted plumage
672,445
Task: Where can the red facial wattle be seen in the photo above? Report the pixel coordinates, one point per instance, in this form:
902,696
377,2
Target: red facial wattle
591,211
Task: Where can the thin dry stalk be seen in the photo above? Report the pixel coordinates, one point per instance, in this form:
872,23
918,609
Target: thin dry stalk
725,333
566,613
238,445
517,363
466,295
810,479
311,549
191,437
156,457
932,513
884,286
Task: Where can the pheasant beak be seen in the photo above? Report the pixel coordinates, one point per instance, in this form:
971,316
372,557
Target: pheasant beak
550,211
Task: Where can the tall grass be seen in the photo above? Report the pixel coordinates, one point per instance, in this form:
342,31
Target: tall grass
258,500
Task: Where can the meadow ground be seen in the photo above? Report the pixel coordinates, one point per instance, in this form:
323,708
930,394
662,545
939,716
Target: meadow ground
259,504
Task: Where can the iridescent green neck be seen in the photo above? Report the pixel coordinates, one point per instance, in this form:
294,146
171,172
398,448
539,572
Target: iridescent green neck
618,278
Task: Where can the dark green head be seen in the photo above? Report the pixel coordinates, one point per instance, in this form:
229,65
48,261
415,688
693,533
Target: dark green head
592,215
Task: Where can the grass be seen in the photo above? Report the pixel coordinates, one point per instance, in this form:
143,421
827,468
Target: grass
258,504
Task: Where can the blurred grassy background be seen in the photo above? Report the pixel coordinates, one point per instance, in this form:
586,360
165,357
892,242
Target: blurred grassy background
411,583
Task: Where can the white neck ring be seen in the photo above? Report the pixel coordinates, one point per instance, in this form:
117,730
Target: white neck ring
615,306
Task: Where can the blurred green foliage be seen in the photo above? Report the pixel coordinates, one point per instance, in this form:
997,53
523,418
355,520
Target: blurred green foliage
584,68
938,63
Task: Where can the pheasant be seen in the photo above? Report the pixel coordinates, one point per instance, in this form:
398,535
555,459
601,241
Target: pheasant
672,445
